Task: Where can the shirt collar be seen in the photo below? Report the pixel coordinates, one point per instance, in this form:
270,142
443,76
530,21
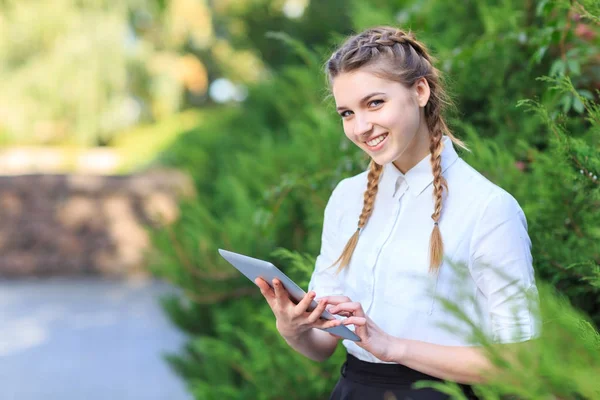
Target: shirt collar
420,176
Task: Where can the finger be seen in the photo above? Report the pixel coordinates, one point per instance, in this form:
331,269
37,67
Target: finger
265,289
355,308
326,324
303,305
341,313
316,313
281,294
358,321
337,299
261,283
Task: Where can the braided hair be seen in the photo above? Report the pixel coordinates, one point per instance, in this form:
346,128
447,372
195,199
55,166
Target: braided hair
396,55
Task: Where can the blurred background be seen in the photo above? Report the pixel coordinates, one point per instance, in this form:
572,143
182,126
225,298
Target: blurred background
138,136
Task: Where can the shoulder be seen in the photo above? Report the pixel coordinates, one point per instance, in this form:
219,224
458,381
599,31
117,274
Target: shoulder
347,195
349,187
487,199
497,224
356,183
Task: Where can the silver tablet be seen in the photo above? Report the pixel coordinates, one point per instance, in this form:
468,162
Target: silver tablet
254,268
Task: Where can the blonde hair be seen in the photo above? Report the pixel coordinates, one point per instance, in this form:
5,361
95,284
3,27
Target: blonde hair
396,55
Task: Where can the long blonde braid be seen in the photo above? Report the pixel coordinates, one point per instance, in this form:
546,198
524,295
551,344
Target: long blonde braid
436,245
368,205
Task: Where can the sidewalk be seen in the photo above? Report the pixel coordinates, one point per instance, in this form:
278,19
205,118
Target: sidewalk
76,339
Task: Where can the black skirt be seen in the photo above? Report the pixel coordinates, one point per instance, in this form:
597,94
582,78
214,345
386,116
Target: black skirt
362,380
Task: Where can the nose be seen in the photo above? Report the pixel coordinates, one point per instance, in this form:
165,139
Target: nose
362,127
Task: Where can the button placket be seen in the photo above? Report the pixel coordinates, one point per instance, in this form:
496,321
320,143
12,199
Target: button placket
383,239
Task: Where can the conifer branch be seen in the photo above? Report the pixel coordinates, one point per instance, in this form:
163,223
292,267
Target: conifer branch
190,267
560,136
584,13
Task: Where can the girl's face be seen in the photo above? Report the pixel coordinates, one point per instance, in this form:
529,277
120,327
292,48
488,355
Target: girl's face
383,117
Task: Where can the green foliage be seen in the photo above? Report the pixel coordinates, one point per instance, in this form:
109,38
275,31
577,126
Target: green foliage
54,80
265,169
84,71
571,163
81,71
540,368
234,363
140,145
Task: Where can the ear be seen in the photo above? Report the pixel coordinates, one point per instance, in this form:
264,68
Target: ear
423,91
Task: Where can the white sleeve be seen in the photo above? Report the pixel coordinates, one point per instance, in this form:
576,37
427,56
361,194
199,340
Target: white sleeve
324,280
501,265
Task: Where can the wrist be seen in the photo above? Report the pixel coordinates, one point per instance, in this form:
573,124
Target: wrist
396,350
295,336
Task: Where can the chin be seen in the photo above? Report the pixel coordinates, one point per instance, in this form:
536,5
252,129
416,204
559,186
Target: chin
382,159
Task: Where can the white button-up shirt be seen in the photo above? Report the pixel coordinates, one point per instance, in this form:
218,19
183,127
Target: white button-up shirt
482,226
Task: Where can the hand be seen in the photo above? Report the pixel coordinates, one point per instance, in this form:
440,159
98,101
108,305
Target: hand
372,338
292,320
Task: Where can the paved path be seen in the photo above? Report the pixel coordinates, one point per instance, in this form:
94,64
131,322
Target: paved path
86,339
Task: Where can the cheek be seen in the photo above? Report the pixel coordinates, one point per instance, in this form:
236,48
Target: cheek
348,130
388,116
405,119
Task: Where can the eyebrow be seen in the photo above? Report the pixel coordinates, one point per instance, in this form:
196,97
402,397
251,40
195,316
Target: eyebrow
367,97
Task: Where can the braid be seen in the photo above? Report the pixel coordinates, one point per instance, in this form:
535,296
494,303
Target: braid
368,203
370,193
390,42
398,37
436,245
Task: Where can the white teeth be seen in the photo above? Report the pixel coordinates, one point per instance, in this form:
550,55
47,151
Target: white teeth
377,140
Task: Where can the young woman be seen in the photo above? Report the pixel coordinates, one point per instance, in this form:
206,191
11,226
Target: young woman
394,235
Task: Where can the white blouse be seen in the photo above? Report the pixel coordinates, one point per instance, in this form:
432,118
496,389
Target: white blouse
481,225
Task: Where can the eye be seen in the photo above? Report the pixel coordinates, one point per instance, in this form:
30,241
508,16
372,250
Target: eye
345,114
375,103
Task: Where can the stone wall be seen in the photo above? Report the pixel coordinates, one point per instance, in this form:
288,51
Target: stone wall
84,224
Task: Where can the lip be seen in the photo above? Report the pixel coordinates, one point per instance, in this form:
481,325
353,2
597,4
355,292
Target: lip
380,144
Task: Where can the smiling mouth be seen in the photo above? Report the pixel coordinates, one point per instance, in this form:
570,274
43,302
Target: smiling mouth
375,141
